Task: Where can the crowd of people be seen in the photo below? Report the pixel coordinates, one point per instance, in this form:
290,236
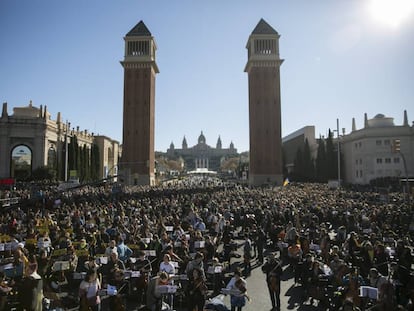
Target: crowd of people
98,247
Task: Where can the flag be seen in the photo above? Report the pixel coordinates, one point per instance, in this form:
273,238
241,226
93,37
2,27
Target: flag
286,182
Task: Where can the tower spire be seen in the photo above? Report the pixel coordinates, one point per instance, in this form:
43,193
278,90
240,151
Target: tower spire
405,118
353,125
4,111
365,120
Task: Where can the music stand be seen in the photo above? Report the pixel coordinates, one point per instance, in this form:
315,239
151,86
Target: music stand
168,291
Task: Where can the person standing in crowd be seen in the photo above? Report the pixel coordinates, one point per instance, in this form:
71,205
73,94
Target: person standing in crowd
247,256
154,297
143,265
31,290
88,292
111,248
5,289
196,291
166,265
124,252
273,270
196,263
260,244
237,286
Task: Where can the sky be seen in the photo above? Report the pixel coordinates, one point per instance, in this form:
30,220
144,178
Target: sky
342,59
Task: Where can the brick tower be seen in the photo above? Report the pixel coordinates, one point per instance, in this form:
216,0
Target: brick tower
137,163
263,69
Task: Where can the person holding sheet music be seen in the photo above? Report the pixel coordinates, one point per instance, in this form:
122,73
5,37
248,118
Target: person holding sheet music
88,292
237,286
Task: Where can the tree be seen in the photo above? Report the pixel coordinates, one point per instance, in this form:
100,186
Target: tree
299,165
42,173
95,162
331,158
321,168
308,165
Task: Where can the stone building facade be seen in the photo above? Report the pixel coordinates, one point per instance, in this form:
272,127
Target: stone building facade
201,155
369,153
30,138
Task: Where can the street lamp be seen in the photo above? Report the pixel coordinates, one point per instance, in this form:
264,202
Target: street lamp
396,148
339,153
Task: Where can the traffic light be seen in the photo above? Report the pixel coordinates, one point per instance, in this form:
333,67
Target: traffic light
396,146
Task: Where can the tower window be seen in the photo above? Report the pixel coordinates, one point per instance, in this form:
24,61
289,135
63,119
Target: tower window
266,47
138,48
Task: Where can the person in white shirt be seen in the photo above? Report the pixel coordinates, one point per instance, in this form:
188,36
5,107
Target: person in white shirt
111,248
166,265
88,291
239,295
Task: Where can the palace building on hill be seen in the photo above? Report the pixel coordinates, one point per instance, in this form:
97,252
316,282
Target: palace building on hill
201,155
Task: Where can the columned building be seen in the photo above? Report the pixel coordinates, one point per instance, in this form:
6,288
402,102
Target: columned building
263,69
138,158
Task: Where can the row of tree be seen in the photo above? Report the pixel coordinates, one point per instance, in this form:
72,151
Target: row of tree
321,169
85,161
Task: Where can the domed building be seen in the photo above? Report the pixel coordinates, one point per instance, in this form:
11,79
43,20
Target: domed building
201,155
372,151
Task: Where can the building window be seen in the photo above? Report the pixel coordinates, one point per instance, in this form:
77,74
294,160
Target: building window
396,160
387,142
356,162
360,161
379,161
378,142
356,145
359,144
356,173
360,173
388,160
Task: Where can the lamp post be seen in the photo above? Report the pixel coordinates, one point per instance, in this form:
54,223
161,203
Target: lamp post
339,155
66,150
396,148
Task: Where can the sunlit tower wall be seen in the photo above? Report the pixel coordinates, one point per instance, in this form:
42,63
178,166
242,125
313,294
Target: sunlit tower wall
263,69
137,162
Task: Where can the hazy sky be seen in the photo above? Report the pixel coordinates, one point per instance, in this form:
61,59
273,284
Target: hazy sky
342,58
